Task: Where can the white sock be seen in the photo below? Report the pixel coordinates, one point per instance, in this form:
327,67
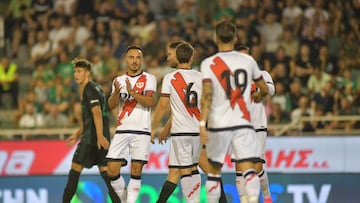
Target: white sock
264,183
119,186
196,180
213,190
252,185
190,188
240,186
133,190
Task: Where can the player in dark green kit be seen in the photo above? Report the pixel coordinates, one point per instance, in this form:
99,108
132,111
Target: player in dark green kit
94,132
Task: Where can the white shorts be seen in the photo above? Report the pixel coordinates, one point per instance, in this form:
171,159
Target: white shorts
137,144
184,151
260,139
241,142
260,143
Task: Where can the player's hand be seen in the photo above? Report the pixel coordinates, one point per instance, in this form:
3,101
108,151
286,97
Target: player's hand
128,85
162,137
117,86
152,139
204,138
72,139
256,96
103,142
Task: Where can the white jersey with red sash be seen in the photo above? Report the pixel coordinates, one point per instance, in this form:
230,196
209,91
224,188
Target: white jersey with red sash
132,115
258,114
183,87
231,74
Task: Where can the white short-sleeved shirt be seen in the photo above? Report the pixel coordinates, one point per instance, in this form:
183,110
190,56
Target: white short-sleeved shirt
183,87
132,115
258,114
231,74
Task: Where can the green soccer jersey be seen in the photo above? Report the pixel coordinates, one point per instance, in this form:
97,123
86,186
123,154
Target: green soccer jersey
93,95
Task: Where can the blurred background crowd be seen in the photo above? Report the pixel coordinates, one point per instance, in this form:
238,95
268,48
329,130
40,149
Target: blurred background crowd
310,48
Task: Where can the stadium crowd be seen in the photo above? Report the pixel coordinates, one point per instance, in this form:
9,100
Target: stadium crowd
311,48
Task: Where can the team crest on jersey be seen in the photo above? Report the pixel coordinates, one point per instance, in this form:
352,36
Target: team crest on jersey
139,84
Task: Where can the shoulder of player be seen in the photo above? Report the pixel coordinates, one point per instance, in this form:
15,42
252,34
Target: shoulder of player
149,75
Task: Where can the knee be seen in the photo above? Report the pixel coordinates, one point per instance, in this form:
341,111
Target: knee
112,172
136,168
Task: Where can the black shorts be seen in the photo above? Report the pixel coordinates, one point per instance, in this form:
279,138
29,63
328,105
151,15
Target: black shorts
89,155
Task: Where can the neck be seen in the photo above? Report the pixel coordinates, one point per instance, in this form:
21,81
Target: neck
226,47
134,73
82,87
184,66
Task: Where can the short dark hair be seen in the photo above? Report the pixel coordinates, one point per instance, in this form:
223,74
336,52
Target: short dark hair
184,52
134,47
82,63
173,45
225,31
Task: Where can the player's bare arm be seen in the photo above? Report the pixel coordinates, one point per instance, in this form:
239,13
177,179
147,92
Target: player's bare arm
164,134
162,108
114,99
73,138
206,100
147,100
264,90
101,140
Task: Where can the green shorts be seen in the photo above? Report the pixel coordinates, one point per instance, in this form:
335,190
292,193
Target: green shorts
89,155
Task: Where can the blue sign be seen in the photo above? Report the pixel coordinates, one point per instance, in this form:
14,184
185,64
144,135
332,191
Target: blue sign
295,188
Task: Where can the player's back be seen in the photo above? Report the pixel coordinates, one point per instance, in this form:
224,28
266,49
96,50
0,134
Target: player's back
231,74
184,89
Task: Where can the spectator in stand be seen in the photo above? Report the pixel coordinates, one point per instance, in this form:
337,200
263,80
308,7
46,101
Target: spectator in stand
125,9
18,28
64,69
312,41
281,97
336,21
60,32
278,116
346,108
30,118
141,27
304,64
118,43
289,43
324,98
80,33
41,50
101,33
41,9
223,12
58,95
317,80
9,80
44,72
69,6
327,63
41,94
316,17
103,14
291,16
90,48
295,92
186,10
279,73
271,32
111,63
54,118
303,110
